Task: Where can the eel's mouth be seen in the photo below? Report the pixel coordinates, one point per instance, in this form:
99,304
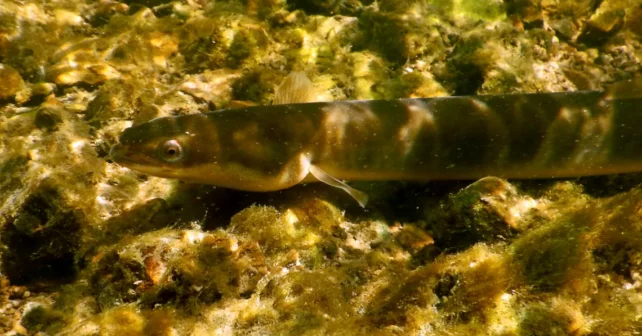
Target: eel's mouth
124,156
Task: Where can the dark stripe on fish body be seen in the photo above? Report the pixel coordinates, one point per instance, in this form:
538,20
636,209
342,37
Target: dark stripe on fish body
489,134
525,135
627,130
265,138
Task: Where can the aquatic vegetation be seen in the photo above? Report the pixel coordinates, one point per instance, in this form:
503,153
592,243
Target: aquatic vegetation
89,247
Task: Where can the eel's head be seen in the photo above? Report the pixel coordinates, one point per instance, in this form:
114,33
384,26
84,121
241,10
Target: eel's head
172,147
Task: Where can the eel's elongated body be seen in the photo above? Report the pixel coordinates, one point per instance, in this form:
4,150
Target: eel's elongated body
265,148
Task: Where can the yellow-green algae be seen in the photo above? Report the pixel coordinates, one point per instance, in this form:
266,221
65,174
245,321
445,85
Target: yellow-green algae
91,248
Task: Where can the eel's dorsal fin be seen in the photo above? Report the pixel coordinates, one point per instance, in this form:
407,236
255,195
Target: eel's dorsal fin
322,176
295,88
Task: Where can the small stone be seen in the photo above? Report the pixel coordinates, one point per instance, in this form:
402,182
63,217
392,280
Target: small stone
42,89
47,118
10,83
414,237
490,209
17,292
601,27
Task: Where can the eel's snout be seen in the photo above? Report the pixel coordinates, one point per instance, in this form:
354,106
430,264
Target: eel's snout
118,153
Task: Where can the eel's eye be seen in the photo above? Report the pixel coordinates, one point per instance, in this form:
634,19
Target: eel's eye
171,151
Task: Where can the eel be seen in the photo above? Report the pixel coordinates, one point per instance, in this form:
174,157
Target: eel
269,148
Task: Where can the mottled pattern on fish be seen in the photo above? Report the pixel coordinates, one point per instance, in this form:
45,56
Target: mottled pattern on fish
267,148
525,136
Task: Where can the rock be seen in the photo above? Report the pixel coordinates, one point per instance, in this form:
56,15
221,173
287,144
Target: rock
488,210
10,83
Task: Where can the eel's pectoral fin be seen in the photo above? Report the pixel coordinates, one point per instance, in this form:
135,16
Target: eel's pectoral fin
295,88
322,176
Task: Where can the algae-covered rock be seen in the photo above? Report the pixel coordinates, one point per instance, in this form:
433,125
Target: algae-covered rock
32,249
10,83
178,268
607,20
488,210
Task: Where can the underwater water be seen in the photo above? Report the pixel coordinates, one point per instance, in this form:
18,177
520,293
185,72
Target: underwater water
90,247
